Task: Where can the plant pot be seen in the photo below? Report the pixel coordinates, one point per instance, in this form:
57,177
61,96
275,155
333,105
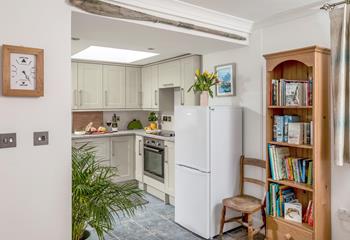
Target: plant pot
204,98
86,235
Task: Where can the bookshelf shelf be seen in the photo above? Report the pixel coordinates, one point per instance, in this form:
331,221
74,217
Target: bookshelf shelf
291,145
311,66
289,107
293,184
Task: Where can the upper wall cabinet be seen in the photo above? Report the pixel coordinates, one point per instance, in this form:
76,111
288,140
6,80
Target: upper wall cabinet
188,68
114,86
169,74
133,87
150,89
90,86
97,86
75,102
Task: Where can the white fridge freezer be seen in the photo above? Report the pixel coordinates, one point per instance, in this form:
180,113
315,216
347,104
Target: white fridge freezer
207,151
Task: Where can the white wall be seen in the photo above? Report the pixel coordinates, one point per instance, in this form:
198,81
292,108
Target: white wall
35,182
301,32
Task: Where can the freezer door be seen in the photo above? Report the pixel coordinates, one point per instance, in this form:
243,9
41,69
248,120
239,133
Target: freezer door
192,137
192,200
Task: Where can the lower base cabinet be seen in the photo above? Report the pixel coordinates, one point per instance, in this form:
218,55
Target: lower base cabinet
115,152
101,147
122,157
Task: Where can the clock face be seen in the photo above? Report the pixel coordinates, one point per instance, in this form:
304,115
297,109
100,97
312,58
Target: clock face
23,71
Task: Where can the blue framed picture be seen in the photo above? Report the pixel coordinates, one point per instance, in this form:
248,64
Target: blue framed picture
227,80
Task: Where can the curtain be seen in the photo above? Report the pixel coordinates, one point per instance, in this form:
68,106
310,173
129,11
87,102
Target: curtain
340,46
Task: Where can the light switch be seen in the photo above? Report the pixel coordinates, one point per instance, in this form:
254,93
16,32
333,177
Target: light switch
40,138
8,140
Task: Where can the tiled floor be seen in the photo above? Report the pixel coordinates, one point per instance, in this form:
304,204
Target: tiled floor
156,222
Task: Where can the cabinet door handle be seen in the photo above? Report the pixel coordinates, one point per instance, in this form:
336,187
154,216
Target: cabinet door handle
106,98
168,84
140,147
75,98
113,153
166,154
140,101
155,97
81,97
182,96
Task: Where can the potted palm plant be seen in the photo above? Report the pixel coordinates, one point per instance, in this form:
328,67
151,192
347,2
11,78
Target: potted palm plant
203,84
95,198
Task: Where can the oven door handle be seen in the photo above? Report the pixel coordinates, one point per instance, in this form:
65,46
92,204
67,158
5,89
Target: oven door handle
152,149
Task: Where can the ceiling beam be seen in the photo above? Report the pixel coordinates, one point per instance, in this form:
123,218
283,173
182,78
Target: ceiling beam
113,10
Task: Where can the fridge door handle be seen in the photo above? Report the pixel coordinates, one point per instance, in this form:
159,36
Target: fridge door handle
192,169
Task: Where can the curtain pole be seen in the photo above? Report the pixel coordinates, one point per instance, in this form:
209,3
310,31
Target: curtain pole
330,6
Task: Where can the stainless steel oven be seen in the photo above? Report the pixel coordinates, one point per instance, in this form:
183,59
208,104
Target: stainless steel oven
154,158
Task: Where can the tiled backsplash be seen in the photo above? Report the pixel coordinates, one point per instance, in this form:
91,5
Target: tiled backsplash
81,119
126,117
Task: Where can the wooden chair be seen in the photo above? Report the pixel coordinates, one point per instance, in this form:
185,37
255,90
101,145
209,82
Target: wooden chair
246,204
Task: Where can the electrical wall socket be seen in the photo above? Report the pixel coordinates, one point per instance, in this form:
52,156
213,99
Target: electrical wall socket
40,138
8,140
344,214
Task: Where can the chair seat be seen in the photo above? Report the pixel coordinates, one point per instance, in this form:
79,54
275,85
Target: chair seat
243,203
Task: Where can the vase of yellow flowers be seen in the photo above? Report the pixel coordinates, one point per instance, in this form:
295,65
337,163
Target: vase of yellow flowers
203,83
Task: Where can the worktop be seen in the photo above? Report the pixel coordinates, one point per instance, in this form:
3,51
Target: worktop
123,133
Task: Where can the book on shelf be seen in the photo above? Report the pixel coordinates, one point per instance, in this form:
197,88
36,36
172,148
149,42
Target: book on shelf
276,198
299,133
293,211
281,201
285,167
288,128
291,92
276,157
308,216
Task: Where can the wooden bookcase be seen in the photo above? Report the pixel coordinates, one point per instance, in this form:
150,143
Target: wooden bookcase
303,64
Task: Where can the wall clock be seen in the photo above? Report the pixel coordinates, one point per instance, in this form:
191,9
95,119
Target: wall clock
23,71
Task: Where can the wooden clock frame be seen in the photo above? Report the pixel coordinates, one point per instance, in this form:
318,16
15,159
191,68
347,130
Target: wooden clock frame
6,71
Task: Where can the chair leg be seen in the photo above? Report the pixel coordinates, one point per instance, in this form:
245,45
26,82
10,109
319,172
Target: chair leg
223,216
250,227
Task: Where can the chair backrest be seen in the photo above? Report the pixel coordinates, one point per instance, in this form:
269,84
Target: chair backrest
251,162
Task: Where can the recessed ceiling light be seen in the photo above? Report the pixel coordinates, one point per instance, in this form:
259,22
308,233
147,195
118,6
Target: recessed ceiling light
106,54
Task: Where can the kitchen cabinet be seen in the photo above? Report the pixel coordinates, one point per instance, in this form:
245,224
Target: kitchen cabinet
75,103
188,68
169,74
139,158
133,87
90,86
150,88
169,167
101,147
114,86
122,157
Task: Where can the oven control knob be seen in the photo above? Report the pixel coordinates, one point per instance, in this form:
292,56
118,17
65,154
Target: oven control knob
159,144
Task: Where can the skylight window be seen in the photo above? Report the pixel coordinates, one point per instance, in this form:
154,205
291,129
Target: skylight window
106,54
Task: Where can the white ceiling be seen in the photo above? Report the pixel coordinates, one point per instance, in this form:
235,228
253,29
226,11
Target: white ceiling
106,32
255,10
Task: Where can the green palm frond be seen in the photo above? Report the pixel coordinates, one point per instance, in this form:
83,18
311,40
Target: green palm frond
95,198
